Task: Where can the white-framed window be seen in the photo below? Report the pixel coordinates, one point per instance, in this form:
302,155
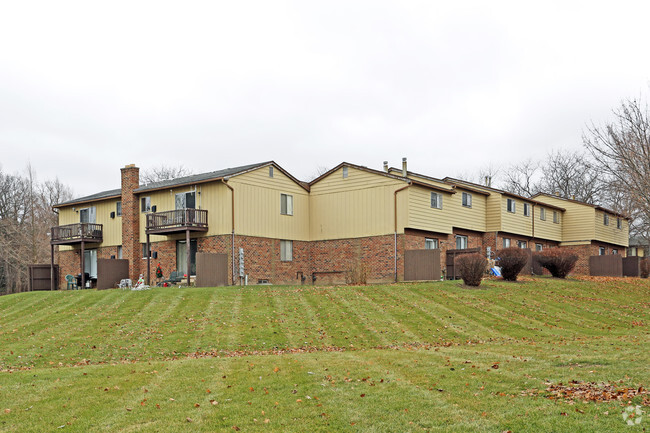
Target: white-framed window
345,172
467,199
185,200
539,247
522,244
119,251
286,204
145,204
605,219
270,171
286,251
614,251
430,244
436,200
526,209
511,205
461,242
556,217
542,214
619,223
118,208
602,251
506,242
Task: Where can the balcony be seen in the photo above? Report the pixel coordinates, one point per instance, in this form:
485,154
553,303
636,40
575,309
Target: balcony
71,234
180,220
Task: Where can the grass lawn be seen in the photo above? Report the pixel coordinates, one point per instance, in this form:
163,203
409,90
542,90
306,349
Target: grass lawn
392,358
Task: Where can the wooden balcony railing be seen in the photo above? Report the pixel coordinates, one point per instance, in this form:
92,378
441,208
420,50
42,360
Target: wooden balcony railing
177,220
75,233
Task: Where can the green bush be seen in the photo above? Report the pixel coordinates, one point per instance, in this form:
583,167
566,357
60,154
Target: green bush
471,268
558,261
511,261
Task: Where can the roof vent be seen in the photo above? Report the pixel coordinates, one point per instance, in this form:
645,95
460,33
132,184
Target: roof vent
404,171
386,166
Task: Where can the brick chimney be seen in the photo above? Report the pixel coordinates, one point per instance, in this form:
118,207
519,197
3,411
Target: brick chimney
131,249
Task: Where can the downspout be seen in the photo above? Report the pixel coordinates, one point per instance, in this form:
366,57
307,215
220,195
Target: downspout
232,213
395,217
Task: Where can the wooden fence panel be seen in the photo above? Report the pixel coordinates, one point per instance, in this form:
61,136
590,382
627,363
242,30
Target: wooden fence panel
631,266
211,270
110,272
606,266
422,265
40,277
451,257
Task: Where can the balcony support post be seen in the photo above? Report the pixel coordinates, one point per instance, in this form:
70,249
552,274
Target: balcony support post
148,261
83,268
52,267
189,256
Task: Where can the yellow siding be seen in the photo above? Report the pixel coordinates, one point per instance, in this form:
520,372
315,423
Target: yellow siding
611,233
422,216
257,206
112,227
578,220
516,222
548,229
357,206
493,212
462,217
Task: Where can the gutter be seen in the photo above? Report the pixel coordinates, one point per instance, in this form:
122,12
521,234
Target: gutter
232,213
395,217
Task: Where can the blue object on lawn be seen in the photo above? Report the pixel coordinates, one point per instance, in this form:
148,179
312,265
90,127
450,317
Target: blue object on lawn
496,271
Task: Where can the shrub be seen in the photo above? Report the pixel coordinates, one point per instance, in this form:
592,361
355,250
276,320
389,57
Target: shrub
559,262
511,261
644,268
471,268
358,274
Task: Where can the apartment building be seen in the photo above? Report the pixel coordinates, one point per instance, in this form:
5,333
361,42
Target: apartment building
287,231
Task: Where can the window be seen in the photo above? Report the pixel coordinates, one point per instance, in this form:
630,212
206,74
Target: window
430,244
542,214
467,199
90,264
539,247
119,251
270,171
614,251
286,251
461,242
526,209
286,204
88,215
619,223
118,208
511,205
556,217
506,242
144,251
185,200
181,256
436,200
145,204
522,244
345,172
606,219
602,251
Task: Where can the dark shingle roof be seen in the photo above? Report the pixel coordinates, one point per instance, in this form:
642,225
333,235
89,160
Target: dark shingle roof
194,178
94,197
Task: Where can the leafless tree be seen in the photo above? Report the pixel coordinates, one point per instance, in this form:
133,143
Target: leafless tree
163,172
572,175
522,178
622,150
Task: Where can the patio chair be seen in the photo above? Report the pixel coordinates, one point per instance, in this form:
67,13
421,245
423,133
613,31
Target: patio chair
72,282
174,277
126,283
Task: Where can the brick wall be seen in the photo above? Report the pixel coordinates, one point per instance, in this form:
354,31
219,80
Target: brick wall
70,261
131,246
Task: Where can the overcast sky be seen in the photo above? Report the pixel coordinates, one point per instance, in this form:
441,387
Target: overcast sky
88,87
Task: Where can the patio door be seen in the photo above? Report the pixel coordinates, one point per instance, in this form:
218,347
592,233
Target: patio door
186,200
90,263
88,215
181,256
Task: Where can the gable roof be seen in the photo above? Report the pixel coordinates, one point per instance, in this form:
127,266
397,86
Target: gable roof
224,174
381,173
104,195
453,186
595,206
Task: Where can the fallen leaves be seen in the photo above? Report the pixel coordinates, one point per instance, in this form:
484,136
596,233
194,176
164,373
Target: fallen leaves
590,391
